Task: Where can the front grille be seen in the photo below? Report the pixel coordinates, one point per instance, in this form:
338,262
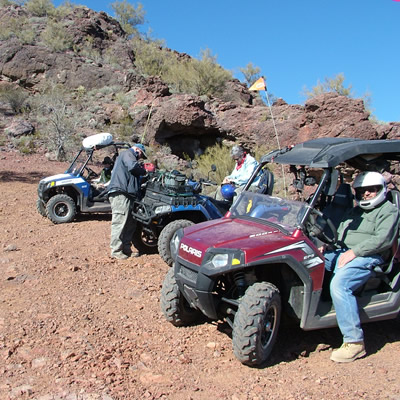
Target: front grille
188,273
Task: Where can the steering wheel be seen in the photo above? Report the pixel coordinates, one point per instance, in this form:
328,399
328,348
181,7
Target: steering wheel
91,173
316,225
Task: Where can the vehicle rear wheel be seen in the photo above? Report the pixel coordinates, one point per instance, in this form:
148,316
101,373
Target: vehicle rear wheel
173,305
41,207
145,242
166,235
61,208
256,324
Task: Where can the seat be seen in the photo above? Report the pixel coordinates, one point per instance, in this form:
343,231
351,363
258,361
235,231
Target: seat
266,182
389,272
341,202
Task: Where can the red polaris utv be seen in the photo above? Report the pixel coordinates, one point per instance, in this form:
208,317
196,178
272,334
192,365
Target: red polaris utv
262,259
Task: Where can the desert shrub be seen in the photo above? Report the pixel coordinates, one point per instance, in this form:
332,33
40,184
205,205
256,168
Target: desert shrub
124,99
25,144
20,28
150,58
200,77
219,155
6,3
87,50
56,37
63,10
14,96
250,73
124,129
58,119
335,85
40,8
128,16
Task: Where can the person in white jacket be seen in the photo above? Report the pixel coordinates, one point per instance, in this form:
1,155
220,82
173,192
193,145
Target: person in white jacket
245,165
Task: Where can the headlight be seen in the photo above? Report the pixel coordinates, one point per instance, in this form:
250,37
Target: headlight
220,260
174,244
162,209
228,259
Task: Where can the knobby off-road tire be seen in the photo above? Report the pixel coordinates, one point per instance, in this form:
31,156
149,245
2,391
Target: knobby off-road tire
144,242
256,324
61,209
166,235
41,208
173,305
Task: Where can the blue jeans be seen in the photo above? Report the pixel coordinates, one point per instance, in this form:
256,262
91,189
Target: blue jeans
344,282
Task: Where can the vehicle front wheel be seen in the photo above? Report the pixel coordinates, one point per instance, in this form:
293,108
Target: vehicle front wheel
144,241
256,324
41,207
166,235
173,305
61,208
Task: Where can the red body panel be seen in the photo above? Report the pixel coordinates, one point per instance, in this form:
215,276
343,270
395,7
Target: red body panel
257,241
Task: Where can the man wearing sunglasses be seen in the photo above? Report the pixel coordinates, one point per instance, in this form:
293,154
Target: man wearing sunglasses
365,236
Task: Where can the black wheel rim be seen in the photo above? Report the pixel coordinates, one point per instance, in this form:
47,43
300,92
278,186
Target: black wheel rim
269,324
61,210
148,240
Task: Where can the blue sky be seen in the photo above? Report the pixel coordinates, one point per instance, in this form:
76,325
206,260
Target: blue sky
294,43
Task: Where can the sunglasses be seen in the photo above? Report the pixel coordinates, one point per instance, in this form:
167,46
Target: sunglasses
370,189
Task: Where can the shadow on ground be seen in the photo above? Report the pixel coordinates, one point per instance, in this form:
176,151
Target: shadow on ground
293,343
24,177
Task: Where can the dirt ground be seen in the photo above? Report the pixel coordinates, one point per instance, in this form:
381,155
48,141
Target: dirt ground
75,324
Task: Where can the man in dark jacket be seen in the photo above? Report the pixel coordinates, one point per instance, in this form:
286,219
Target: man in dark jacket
123,189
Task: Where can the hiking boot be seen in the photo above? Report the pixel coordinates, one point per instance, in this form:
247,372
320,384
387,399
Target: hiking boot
131,253
119,256
348,352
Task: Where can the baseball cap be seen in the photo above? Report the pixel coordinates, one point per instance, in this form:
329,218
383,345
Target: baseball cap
141,147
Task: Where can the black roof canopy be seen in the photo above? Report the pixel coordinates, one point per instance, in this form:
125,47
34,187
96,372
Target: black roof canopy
330,152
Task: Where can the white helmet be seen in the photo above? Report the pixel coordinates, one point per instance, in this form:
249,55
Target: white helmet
368,179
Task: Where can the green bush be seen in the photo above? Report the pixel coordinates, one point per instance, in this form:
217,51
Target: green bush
150,58
14,96
40,8
56,37
218,155
250,73
129,16
335,84
25,144
20,28
58,120
190,75
200,77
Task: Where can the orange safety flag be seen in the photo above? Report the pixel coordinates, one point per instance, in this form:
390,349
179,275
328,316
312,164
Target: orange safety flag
259,84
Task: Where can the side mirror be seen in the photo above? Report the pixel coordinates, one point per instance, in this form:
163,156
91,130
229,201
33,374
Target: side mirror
213,167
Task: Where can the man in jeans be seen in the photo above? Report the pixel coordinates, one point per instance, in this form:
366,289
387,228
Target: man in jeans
123,189
366,235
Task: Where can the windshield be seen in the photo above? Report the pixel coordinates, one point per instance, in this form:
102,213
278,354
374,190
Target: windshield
76,167
283,212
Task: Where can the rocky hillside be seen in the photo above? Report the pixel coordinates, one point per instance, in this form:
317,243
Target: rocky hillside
183,122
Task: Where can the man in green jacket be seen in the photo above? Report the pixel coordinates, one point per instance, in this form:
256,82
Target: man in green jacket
366,235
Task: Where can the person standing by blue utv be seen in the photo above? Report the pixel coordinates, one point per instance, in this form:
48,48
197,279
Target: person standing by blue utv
123,190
